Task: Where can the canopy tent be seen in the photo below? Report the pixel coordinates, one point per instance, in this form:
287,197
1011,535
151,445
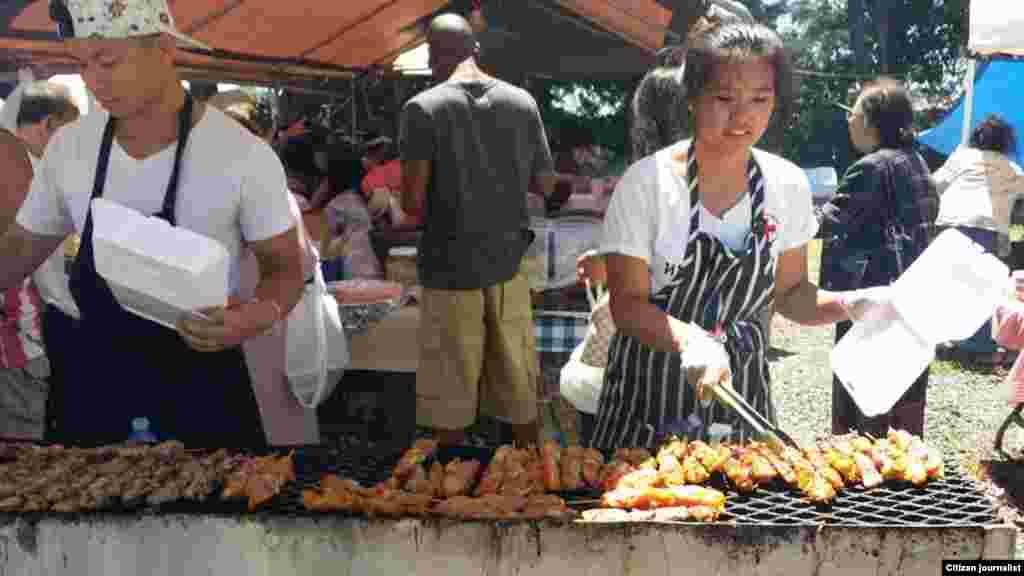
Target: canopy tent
996,30
266,41
996,90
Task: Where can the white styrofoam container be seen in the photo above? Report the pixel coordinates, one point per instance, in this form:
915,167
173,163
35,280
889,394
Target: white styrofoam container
946,294
157,271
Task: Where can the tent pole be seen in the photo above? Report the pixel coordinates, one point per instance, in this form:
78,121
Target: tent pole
965,134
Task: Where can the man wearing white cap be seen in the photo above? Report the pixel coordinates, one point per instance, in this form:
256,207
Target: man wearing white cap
156,151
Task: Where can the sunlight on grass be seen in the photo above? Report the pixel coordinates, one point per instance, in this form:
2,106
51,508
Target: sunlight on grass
814,259
946,368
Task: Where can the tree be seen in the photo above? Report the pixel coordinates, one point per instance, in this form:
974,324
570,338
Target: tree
575,111
915,40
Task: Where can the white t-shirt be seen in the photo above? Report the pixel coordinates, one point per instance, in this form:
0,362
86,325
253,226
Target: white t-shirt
977,187
51,278
649,214
231,188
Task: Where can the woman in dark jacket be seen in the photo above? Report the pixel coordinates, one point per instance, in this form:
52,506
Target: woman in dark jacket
880,220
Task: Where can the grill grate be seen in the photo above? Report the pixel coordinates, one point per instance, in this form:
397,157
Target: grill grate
954,501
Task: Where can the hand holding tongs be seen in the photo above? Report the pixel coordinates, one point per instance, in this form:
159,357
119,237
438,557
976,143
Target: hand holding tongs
725,394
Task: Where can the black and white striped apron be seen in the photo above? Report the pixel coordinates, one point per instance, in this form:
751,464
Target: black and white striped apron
645,394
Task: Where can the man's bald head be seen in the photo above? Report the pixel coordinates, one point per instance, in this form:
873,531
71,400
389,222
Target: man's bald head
452,41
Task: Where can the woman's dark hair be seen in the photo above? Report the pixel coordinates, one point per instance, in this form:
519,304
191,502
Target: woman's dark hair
345,167
994,134
43,99
886,105
660,99
297,156
714,42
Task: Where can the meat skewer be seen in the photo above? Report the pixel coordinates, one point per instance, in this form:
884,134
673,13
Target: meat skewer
494,475
572,469
593,462
459,477
551,457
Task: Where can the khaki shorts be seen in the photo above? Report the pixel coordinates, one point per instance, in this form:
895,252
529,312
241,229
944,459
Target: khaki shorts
477,355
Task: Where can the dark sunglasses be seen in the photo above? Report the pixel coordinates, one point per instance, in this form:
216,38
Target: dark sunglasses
60,14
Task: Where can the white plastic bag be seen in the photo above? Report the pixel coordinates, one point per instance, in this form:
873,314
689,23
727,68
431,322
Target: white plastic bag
316,349
581,384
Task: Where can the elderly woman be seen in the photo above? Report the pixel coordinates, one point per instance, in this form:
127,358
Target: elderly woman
880,220
700,237
977,184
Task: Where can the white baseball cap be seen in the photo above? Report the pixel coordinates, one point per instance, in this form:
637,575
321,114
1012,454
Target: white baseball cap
117,19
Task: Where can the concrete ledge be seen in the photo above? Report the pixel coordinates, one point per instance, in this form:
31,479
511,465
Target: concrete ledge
189,545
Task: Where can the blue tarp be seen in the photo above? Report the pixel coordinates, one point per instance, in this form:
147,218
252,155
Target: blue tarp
998,89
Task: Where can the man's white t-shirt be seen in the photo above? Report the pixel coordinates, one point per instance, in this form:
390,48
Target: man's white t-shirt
51,278
231,188
649,214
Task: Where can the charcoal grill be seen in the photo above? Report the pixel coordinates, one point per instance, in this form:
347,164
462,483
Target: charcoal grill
890,530
952,502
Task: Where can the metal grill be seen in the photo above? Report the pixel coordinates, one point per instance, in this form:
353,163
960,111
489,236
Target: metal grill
953,502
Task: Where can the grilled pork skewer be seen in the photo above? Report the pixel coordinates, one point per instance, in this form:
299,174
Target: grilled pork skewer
613,472
459,476
572,468
739,474
551,457
784,469
711,459
670,471
494,475
638,457
414,457
593,462
869,475
675,496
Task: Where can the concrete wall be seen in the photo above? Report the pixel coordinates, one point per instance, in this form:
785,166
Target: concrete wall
177,545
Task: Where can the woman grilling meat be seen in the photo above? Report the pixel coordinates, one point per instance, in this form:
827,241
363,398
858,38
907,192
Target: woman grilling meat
700,237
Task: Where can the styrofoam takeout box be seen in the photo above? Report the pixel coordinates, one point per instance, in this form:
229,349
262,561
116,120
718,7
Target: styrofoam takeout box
157,271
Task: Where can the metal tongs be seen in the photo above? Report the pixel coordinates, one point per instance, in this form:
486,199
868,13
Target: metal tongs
725,394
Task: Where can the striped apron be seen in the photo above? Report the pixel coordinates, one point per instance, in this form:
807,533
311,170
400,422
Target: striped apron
645,395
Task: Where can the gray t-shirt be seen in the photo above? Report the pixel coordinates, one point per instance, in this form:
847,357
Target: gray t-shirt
484,142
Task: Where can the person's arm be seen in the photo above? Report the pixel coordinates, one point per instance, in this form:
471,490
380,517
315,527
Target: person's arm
798,299
281,280
23,252
415,177
268,229
417,146
17,177
32,220
631,308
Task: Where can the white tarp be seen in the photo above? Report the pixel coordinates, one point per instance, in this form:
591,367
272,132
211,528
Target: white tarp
997,27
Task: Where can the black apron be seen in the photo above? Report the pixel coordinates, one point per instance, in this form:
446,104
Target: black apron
645,396
131,367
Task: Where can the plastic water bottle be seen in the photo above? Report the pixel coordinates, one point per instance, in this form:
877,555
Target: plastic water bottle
141,433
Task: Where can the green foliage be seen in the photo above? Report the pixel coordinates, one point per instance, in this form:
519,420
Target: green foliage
922,47
572,109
